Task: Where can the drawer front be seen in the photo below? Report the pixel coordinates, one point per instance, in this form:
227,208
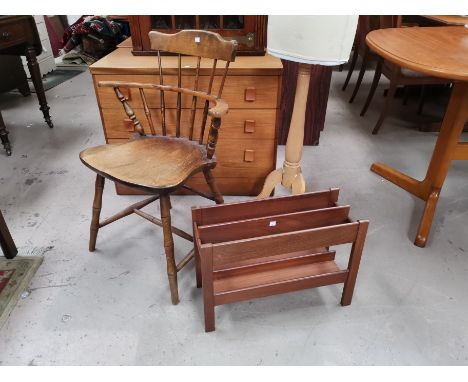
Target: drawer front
240,92
12,34
237,124
241,158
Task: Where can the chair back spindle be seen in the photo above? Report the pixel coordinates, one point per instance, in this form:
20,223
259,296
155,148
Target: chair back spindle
179,95
194,100
223,79
161,94
207,103
147,111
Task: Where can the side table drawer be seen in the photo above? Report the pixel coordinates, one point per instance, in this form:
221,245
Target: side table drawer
12,34
240,92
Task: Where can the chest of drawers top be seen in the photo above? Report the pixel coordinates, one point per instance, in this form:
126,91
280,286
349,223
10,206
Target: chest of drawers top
122,61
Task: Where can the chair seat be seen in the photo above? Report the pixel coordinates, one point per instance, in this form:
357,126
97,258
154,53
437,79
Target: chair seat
151,163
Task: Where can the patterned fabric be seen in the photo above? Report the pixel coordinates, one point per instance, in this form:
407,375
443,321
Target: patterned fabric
5,276
85,25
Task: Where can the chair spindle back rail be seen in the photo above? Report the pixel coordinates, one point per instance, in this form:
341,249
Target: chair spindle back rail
200,44
186,42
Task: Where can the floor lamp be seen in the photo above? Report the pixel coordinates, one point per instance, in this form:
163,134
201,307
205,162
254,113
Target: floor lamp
308,40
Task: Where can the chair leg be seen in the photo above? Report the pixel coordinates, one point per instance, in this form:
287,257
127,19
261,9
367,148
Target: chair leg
213,187
422,99
386,108
406,92
361,75
97,204
351,67
375,82
165,204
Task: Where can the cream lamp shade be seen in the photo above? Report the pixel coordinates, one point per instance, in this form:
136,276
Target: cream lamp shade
319,40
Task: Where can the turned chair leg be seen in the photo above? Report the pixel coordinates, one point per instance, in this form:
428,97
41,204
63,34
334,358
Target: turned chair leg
97,204
375,82
165,204
361,74
386,108
213,187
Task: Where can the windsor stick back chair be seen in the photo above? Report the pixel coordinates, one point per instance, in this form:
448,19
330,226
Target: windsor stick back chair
166,149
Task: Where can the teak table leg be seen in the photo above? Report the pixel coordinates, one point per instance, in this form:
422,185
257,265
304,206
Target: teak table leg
446,149
37,81
290,176
4,136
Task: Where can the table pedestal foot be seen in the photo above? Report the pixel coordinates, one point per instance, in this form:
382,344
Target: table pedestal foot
426,219
404,181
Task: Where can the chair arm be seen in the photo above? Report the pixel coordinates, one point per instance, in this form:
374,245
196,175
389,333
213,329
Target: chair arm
217,111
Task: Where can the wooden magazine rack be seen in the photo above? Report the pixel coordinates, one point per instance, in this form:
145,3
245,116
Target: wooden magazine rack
264,247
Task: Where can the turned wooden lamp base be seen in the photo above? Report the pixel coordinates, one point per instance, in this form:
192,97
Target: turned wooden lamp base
290,176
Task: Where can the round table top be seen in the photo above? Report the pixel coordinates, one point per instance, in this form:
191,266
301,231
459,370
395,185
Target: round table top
436,51
448,19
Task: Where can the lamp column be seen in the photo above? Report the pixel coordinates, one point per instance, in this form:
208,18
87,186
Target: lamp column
290,176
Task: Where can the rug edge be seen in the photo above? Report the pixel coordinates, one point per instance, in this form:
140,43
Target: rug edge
22,286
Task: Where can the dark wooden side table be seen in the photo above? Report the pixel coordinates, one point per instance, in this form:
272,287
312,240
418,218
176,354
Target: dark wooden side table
19,37
440,52
6,241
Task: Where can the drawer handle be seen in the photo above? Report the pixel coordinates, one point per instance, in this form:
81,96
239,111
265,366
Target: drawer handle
6,35
129,126
250,94
249,126
249,155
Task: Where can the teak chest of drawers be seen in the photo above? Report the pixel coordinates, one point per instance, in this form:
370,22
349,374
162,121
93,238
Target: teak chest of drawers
246,149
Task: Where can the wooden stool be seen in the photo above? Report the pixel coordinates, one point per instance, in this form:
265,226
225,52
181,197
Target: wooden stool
264,247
